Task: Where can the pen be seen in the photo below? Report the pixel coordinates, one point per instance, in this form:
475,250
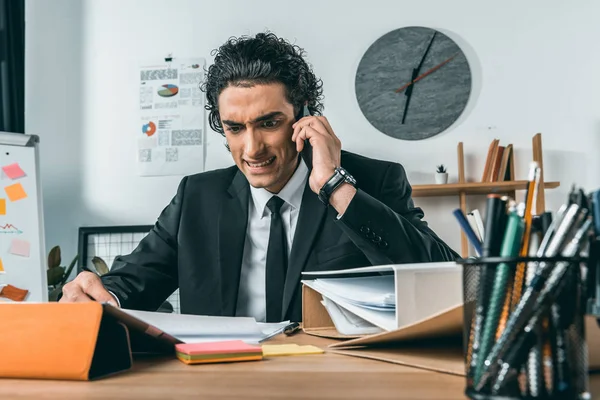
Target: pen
554,285
596,210
466,227
524,309
495,217
534,174
534,366
291,329
513,360
510,248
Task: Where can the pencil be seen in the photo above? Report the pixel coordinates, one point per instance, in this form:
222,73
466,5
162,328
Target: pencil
534,176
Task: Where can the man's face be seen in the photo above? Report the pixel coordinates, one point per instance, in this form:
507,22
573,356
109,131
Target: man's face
258,127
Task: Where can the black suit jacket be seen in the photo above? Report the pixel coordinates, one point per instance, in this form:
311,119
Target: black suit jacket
197,242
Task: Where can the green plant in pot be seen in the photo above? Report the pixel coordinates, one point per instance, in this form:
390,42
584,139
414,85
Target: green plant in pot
58,275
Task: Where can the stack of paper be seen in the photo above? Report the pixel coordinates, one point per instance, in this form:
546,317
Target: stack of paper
361,305
215,352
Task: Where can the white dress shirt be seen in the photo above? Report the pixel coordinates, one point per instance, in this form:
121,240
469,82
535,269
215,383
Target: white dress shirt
252,300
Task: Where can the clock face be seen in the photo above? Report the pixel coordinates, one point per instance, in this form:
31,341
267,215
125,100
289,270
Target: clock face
413,83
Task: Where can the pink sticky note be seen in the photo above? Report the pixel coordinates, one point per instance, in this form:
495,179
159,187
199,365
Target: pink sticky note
19,247
13,171
224,347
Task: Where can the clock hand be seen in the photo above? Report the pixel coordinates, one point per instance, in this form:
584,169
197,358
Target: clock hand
415,73
426,51
423,75
408,95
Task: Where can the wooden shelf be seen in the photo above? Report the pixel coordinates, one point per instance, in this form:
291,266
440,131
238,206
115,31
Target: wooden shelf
481,188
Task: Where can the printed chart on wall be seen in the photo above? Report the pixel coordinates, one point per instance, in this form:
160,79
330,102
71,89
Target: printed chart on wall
170,136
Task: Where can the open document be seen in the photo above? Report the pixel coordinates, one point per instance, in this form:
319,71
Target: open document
183,328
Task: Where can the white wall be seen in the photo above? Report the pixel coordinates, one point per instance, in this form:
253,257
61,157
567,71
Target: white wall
535,70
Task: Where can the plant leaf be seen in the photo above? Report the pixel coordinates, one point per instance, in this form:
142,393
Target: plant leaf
69,269
54,257
55,275
100,266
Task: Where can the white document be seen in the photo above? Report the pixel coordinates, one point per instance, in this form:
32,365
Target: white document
199,328
373,292
346,322
383,319
170,133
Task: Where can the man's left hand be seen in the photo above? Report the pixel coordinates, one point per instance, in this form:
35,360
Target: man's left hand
326,148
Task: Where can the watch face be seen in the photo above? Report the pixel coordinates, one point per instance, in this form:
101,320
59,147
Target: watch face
413,83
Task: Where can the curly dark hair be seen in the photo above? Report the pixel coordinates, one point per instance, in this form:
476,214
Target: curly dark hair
262,59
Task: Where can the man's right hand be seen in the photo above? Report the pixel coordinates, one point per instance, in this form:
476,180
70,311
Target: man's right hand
87,286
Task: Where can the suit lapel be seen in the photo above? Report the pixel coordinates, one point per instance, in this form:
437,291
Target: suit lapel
233,220
310,220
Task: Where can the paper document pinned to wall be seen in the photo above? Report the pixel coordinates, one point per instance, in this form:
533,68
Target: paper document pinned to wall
170,132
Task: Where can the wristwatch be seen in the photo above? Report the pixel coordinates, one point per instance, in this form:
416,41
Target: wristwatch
340,176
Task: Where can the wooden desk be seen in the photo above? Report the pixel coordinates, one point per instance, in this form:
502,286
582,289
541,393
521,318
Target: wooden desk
323,376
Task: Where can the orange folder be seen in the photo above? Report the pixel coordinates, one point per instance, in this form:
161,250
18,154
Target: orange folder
79,341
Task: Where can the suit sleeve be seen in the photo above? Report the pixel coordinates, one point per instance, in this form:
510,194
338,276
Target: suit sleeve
145,278
389,229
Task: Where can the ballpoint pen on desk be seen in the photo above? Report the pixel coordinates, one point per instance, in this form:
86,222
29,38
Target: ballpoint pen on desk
529,300
292,329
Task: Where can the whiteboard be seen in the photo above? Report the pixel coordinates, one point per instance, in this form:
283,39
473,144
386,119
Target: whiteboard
22,247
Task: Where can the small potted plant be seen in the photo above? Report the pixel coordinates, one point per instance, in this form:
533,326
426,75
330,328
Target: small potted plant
441,176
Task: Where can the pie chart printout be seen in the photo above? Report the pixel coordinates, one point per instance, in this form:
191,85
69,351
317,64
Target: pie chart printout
168,90
149,129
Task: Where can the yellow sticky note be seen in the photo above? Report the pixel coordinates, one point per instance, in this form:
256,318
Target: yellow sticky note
272,350
15,192
2,206
1,267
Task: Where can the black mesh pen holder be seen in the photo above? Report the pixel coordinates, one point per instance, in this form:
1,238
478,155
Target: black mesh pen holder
523,329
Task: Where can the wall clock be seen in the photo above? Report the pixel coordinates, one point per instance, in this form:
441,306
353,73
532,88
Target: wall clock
413,83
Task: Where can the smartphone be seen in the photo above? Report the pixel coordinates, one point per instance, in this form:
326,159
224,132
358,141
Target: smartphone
306,152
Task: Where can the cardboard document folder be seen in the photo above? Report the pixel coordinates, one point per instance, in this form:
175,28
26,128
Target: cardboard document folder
428,321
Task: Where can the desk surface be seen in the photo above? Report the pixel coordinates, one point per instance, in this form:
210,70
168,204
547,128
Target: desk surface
322,376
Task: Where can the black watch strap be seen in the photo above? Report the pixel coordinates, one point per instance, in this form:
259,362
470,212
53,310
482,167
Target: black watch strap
340,176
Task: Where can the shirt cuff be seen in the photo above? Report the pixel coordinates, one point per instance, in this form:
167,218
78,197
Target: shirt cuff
116,298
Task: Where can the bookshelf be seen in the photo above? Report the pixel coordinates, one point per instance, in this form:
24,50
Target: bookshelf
481,188
462,189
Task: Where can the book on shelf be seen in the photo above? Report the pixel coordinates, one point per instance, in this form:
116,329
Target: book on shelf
499,163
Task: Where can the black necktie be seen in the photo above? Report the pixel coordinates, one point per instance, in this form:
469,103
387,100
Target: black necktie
276,262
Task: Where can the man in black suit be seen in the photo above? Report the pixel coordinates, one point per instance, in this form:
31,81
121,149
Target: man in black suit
235,240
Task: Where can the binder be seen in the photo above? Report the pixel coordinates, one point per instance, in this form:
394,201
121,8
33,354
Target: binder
72,341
